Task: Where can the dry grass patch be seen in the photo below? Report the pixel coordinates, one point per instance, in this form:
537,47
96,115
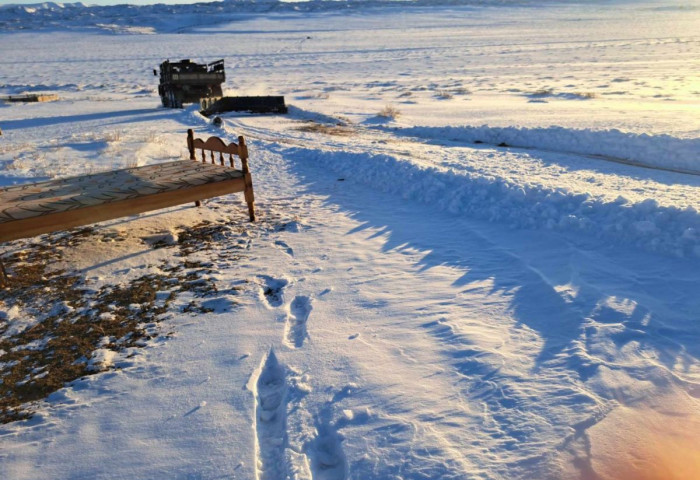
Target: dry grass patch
585,95
64,321
389,111
542,92
444,94
313,127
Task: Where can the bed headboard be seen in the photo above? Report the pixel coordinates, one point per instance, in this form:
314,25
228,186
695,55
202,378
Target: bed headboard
215,145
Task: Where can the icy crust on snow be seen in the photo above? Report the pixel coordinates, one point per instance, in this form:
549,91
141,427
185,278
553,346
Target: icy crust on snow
656,151
646,224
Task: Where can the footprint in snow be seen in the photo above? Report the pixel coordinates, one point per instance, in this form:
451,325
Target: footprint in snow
326,454
285,248
270,390
273,290
297,317
325,451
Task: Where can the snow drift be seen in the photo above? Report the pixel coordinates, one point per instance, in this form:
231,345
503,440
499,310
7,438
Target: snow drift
668,230
655,151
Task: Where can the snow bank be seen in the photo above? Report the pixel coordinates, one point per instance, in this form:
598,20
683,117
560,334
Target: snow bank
656,151
668,230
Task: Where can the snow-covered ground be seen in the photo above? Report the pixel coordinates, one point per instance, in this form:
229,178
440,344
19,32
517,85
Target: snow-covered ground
478,253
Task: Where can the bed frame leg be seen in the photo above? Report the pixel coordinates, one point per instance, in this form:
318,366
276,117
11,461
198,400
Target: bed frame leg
190,149
248,192
249,196
4,279
251,211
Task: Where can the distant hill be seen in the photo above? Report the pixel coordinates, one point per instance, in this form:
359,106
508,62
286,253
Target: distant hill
177,17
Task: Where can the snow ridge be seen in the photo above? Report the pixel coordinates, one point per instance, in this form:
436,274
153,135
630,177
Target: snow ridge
656,151
648,225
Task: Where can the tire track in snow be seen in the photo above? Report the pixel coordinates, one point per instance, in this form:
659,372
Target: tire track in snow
363,140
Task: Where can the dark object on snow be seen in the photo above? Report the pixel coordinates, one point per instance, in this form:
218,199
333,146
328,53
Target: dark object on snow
266,104
217,121
188,82
31,97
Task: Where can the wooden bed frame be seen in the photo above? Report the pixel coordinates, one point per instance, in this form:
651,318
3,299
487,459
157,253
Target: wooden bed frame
32,209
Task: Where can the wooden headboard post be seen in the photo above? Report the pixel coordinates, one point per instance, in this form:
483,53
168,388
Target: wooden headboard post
249,196
190,147
190,143
243,154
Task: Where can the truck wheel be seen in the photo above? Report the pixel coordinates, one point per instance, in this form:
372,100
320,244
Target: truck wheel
166,98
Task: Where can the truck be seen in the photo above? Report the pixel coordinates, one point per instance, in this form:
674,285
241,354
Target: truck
189,82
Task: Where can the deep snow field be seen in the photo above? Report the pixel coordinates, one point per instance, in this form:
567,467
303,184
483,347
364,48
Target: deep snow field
477,254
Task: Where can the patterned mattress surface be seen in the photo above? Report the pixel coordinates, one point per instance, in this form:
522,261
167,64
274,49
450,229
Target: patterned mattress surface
60,195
